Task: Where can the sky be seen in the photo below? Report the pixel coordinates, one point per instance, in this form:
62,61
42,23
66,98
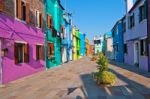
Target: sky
95,17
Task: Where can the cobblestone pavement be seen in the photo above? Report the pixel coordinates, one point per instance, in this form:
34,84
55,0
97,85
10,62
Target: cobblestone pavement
74,81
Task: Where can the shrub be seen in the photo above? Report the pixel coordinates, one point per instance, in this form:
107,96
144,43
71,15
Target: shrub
102,63
106,77
93,58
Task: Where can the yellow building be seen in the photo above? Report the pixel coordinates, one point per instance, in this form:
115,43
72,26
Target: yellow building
74,43
87,47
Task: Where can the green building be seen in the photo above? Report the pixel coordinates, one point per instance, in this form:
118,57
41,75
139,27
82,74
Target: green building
54,24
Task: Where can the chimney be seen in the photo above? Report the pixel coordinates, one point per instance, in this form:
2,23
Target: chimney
129,5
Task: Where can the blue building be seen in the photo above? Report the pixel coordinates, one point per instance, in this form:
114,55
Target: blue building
118,46
67,39
82,44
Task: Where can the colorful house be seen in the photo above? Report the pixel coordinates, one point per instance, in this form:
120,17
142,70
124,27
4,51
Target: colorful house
91,49
21,39
82,44
54,28
98,44
108,45
88,47
67,38
135,34
76,43
118,46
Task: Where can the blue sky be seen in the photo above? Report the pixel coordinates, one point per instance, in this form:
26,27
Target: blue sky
95,17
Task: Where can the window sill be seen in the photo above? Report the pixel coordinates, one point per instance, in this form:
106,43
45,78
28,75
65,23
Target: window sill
22,21
142,21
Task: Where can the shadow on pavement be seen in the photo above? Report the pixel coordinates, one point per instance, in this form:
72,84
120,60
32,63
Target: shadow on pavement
131,68
128,90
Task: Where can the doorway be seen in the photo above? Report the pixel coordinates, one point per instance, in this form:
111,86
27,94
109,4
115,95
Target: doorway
136,54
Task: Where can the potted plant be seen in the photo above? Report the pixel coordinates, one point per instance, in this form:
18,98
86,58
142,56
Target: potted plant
103,76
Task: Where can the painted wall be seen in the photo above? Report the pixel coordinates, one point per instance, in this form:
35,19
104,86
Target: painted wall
137,33
74,43
78,43
88,47
68,39
10,31
118,40
52,8
82,44
97,47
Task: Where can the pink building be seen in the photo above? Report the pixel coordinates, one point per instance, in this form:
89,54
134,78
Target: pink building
21,39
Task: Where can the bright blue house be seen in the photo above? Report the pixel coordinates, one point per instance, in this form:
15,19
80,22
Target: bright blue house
82,44
118,46
68,38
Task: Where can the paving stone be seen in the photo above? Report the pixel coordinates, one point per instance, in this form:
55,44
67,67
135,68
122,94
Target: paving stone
132,83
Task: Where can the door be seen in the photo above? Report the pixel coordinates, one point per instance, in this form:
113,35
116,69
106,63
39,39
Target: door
136,54
0,63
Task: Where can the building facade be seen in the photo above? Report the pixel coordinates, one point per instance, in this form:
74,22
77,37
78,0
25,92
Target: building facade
21,38
97,44
67,41
135,35
118,46
82,44
76,43
54,27
108,43
88,47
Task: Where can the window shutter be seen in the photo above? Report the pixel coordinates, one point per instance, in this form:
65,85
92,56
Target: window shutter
27,13
37,53
141,42
16,53
1,5
41,20
51,48
42,52
145,9
51,22
26,53
48,21
19,12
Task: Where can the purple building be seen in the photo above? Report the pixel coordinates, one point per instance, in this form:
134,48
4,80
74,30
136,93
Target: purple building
21,39
135,34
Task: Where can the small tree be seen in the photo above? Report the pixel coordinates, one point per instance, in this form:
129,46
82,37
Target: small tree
102,63
104,76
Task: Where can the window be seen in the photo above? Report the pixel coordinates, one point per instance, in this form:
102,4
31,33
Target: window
49,21
39,52
125,48
143,12
1,5
54,33
39,19
50,50
144,48
62,32
21,52
117,47
124,26
131,21
22,10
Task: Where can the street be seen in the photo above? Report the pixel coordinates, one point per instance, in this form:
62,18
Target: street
74,81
